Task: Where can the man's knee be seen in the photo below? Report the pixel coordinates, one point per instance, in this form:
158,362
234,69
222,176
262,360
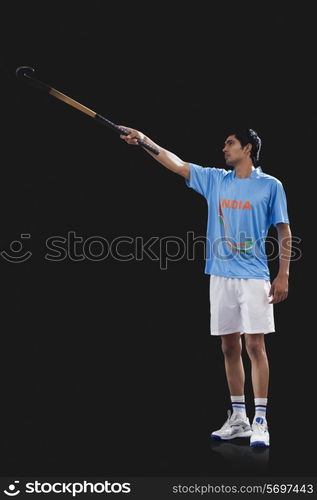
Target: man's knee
255,346
231,345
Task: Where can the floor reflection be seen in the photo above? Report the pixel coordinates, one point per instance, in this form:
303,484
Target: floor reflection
240,455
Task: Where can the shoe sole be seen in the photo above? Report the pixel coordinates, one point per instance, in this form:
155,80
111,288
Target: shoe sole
260,444
245,434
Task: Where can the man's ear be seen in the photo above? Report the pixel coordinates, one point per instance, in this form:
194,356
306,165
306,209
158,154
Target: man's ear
248,148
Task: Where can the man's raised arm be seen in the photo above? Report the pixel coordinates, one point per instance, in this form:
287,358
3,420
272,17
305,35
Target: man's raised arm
166,158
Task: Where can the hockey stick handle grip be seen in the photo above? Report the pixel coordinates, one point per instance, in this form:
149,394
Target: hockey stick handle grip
122,131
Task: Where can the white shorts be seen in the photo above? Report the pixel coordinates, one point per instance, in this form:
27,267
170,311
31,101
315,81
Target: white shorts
240,305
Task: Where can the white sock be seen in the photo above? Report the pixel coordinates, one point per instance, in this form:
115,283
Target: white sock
238,406
260,408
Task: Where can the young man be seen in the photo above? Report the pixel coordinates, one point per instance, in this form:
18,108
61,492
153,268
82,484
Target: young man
242,204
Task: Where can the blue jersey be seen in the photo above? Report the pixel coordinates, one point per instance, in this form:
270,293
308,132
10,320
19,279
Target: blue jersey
240,212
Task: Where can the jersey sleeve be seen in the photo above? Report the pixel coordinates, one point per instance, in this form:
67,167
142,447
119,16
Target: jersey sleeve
278,204
201,179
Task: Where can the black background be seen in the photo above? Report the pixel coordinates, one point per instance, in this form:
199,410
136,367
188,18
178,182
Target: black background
108,367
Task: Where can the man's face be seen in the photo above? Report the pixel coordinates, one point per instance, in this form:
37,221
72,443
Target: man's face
234,152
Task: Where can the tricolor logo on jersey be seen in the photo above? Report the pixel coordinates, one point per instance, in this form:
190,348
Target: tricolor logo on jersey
245,246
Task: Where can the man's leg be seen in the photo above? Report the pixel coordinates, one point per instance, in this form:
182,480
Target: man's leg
255,346
232,347
237,425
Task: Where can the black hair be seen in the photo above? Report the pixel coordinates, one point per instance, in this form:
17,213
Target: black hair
249,136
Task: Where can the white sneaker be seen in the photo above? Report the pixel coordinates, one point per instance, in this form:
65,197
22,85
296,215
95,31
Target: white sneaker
234,427
260,434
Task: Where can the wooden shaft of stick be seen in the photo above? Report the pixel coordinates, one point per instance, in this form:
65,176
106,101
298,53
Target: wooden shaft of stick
72,102
75,104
